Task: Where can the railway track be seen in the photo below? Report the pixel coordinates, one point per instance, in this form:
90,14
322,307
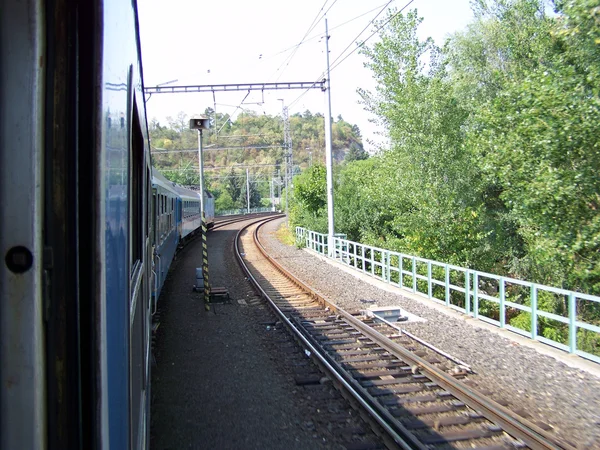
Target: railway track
221,221
411,394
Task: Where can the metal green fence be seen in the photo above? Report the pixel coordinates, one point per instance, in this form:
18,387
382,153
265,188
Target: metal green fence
232,212
488,297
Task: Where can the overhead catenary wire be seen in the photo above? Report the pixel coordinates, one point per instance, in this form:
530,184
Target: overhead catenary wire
348,46
319,35
335,63
371,35
314,23
238,107
371,22
208,166
195,150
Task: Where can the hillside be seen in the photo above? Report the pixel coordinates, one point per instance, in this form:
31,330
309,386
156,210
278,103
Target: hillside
252,141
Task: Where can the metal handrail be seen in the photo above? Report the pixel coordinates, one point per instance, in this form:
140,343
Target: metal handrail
462,289
231,212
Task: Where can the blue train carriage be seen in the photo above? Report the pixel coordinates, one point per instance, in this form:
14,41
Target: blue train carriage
76,258
190,221
166,230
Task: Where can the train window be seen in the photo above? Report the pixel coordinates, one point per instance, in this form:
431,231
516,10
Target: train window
155,213
136,190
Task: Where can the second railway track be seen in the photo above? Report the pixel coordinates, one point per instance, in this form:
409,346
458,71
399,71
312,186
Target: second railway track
411,395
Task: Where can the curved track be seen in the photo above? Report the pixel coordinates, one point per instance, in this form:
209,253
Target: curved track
410,394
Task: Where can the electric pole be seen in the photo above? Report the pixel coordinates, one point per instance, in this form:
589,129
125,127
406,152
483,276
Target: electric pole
328,151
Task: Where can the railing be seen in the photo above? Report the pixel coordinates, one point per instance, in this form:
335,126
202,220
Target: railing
488,297
232,212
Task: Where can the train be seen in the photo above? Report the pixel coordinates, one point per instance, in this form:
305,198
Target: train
88,227
177,218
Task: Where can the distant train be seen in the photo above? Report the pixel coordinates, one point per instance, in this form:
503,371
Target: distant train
176,219
87,232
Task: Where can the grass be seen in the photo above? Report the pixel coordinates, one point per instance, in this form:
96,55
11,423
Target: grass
285,235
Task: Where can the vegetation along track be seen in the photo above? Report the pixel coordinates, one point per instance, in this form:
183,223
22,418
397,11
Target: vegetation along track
412,396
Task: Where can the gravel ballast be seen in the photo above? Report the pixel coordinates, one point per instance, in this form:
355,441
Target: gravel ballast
544,389
228,378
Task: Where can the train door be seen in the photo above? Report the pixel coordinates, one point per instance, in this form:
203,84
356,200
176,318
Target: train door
179,216
139,326
154,240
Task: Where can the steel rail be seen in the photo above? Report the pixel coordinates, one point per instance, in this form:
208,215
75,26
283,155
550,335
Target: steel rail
379,424
238,218
532,435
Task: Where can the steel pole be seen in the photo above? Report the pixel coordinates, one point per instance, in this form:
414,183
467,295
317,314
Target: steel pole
328,151
201,172
248,189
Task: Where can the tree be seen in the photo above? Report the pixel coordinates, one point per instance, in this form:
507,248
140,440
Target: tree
308,200
355,153
234,187
431,182
224,202
540,141
255,196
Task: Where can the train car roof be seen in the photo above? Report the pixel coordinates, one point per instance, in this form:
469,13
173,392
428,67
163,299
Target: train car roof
187,193
160,180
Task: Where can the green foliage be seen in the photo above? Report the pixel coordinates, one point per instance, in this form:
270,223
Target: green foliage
356,153
224,202
251,139
493,157
494,150
308,202
233,187
255,197
430,184
539,140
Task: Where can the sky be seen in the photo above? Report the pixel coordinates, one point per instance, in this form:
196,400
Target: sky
234,41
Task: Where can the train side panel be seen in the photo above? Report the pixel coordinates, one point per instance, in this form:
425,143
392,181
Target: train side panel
75,166
22,354
125,184
166,232
191,219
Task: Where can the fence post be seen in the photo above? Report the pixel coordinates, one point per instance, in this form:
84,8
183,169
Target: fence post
401,269
447,285
533,311
502,300
572,323
475,295
364,264
414,274
468,291
429,286
388,266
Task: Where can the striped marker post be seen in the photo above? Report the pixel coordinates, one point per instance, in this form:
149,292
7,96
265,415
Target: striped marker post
205,264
